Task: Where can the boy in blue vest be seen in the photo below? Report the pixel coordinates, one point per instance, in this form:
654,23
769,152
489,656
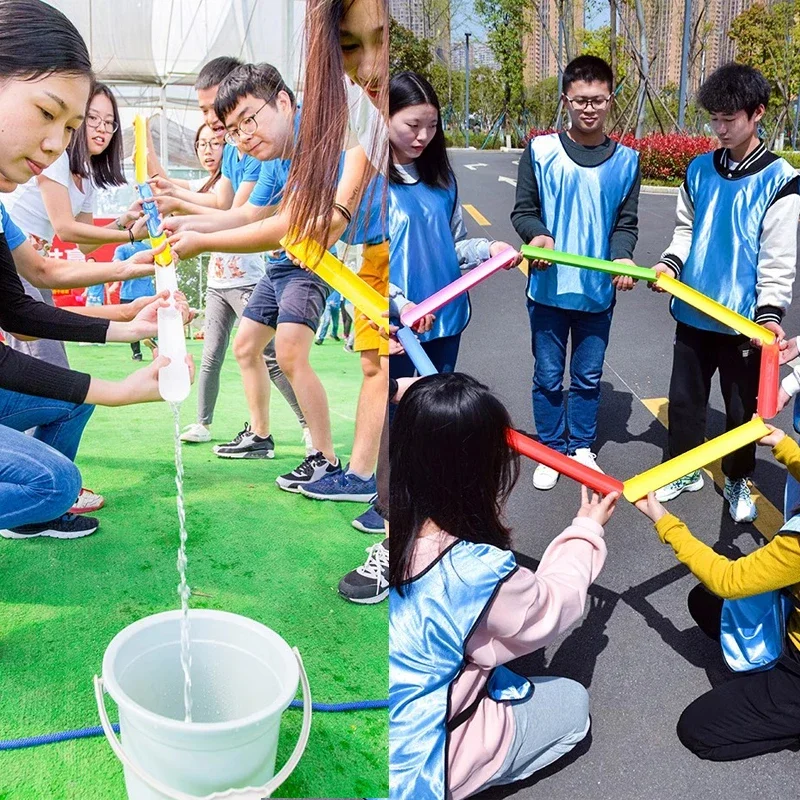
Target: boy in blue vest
736,241
577,191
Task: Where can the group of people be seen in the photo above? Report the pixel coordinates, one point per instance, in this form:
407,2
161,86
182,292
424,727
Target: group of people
460,720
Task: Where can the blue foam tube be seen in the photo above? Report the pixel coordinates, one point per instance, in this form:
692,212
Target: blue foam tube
414,351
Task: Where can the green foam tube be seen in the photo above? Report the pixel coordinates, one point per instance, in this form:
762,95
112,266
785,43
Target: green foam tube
612,267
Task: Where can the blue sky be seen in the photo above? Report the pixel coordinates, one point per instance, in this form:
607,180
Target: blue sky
468,21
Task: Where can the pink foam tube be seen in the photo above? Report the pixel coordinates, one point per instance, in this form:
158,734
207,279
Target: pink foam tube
768,381
457,287
598,481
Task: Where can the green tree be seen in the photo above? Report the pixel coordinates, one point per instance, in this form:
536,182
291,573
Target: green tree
407,52
768,38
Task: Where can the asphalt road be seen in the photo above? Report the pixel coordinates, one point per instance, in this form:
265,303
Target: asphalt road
636,650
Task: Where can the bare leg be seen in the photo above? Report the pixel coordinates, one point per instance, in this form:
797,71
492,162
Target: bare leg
248,347
370,413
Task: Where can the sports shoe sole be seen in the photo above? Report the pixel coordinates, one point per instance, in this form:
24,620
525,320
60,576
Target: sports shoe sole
247,454
745,520
287,486
342,498
545,488
364,529
87,509
51,534
366,601
692,487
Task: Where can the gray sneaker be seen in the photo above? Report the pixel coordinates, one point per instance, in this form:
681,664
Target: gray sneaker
247,445
742,506
693,482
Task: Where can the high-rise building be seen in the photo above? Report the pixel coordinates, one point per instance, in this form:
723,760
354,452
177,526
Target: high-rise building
541,45
480,55
426,19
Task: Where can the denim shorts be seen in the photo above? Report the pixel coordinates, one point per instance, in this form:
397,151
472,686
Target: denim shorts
291,296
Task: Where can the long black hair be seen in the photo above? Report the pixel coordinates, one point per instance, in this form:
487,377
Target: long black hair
217,174
411,89
104,169
450,463
37,40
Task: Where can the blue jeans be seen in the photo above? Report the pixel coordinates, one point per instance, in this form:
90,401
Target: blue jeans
330,317
38,479
550,330
442,352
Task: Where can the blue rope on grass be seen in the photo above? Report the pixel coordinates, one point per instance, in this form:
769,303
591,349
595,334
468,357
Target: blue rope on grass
88,733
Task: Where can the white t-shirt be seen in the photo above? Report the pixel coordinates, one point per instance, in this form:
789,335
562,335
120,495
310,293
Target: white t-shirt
367,124
231,270
26,206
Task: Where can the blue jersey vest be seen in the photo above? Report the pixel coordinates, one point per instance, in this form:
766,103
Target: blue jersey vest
729,214
580,206
428,631
422,254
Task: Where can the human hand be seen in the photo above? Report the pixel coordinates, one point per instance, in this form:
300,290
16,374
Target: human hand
546,242
791,351
624,283
773,437
660,268
600,510
141,264
783,398
395,348
166,204
495,248
185,244
780,336
650,507
142,386
162,186
423,324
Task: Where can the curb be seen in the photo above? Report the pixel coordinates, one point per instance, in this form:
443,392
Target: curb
673,190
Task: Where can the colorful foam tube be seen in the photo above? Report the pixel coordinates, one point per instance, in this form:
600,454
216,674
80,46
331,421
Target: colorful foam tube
586,262
598,481
152,217
769,381
457,287
638,486
414,351
714,309
339,277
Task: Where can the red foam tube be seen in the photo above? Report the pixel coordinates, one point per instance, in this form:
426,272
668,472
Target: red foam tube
524,445
769,381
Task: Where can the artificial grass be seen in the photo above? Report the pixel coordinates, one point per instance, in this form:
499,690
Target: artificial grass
253,549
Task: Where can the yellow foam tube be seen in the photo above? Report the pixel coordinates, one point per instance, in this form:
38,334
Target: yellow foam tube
714,309
637,487
340,278
140,153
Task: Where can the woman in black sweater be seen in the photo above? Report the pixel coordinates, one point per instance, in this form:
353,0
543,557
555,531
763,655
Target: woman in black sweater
45,80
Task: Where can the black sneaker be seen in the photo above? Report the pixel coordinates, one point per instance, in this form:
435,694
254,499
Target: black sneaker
136,357
67,526
247,445
368,583
311,469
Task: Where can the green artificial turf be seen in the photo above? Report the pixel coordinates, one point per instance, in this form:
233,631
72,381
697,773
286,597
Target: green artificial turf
253,549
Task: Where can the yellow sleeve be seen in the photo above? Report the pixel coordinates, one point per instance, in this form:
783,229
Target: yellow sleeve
774,566
788,453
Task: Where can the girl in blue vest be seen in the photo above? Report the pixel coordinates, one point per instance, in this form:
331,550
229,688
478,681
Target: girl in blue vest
428,239
462,607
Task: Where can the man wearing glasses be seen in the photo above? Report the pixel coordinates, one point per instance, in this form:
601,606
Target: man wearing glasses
577,191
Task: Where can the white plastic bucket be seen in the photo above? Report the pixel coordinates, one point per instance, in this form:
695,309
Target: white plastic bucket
243,678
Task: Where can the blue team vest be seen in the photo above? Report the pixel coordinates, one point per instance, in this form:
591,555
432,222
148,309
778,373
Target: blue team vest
422,255
428,631
723,260
580,206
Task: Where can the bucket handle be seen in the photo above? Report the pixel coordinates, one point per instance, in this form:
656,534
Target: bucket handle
251,792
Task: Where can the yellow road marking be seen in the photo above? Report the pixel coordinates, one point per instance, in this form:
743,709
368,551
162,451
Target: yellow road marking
475,214
769,520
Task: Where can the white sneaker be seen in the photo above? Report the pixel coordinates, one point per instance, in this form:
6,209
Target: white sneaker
310,449
742,507
196,433
544,477
693,482
583,455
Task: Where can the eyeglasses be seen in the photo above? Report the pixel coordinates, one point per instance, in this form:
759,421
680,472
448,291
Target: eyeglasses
95,123
207,144
247,127
580,103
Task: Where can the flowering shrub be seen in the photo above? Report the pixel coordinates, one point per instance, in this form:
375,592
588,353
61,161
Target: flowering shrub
663,156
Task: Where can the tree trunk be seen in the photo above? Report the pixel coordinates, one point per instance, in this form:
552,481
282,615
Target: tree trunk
645,69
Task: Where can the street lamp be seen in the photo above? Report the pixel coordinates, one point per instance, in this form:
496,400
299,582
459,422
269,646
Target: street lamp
466,82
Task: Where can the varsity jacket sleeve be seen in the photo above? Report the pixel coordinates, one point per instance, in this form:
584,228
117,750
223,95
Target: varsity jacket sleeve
626,231
777,255
470,252
527,214
678,251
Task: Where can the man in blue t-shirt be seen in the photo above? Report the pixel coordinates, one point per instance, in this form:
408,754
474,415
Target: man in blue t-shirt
261,116
134,289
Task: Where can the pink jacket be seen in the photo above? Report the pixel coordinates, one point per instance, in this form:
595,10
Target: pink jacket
529,611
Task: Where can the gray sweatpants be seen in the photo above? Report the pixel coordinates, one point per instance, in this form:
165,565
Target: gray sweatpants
223,308
548,724
52,352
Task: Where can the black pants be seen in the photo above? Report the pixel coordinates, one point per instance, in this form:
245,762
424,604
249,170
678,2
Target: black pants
753,713
697,355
